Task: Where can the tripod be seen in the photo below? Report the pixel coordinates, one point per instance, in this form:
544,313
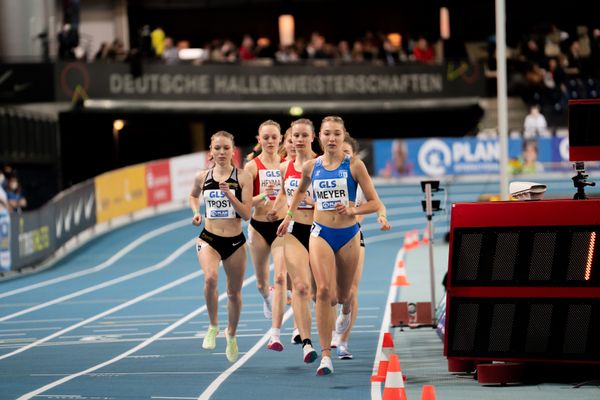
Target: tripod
580,181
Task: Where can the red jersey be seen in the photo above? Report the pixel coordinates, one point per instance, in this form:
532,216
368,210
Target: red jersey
264,177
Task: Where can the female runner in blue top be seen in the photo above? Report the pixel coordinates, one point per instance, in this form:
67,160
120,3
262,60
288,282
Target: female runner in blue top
334,244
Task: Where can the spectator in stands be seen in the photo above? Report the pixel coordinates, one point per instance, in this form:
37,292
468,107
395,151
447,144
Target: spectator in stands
157,37
358,52
2,179
247,49
343,52
371,46
391,51
101,54
229,51
146,49
4,206
68,39
170,54
287,54
595,53
316,47
423,52
556,83
264,48
14,194
535,124
535,82
116,51
532,52
576,59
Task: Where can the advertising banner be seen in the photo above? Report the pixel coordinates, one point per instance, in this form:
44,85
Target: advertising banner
284,82
75,211
469,156
158,182
5,258
183,173
120,192
26,83
33,238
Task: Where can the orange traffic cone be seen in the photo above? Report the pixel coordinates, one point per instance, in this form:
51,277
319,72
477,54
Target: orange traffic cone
428,392
415,239
426,235
411,239
400,277
387,349
394,384
407,241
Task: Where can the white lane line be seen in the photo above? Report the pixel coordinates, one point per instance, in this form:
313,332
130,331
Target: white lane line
227,373
12,334
48,328
118,255
119,325
143,336
142,316
121,306
141,373
140,346
105,284
115,330
37,321
385,326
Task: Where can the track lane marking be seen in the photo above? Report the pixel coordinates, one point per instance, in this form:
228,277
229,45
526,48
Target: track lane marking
105,284
121,306
118,255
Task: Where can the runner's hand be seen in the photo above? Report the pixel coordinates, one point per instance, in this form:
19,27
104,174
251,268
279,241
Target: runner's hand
283,227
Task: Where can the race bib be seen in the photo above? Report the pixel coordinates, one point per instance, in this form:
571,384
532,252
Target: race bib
329,192
217,205
291,185
270,177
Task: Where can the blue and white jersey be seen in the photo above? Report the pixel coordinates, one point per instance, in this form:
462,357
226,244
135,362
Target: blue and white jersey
333,187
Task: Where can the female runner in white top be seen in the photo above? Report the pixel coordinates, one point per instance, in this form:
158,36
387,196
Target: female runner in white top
227,193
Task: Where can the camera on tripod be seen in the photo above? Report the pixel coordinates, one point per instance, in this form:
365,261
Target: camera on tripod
584,141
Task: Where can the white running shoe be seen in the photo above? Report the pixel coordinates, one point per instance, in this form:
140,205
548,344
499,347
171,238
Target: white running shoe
267,305
335,339
343,352
275,343
310,354
326,367
296,339
210,342
343,322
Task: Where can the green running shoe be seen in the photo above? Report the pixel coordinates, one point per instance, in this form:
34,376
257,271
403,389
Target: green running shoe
231,351
210,342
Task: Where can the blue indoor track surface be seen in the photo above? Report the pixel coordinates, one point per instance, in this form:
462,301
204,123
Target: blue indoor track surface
123,318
